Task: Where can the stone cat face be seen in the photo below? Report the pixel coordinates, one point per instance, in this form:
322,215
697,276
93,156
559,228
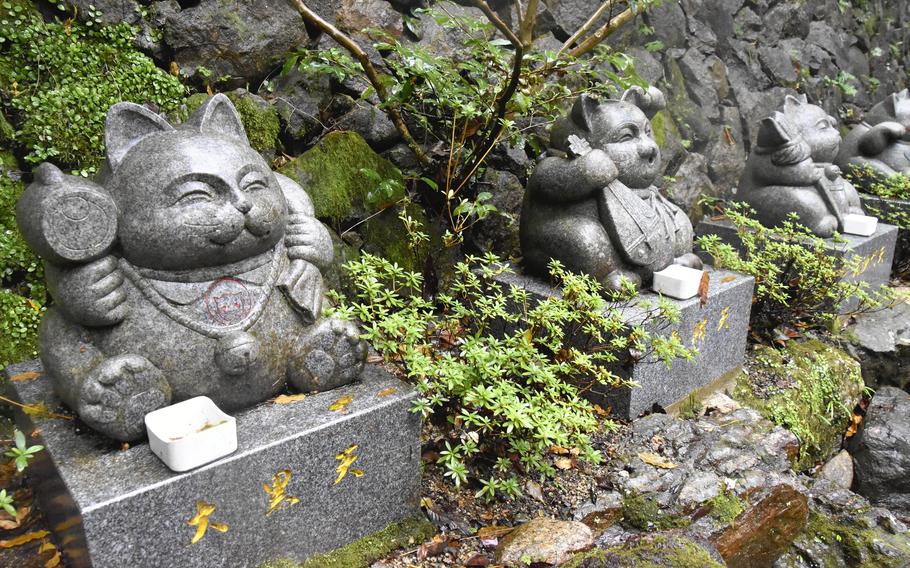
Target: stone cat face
192,197
621,129
817,128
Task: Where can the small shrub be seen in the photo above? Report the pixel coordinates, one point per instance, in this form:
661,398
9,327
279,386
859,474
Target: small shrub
504,375
895,186
60,78
797,282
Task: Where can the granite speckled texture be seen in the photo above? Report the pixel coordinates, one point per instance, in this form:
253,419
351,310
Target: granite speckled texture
717,329
114,508
878,249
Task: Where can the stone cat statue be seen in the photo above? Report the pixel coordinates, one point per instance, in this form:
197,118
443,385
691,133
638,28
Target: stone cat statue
882,140
592,203
790,170
189,269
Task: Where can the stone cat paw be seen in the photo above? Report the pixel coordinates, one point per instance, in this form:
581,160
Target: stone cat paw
119,392
92,293
331,355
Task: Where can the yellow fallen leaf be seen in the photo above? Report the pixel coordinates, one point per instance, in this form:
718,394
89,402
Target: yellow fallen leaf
54,561
46,547
22,539
563,463
27,376
347,457
386,392
341,403
289,398
728,278
656,460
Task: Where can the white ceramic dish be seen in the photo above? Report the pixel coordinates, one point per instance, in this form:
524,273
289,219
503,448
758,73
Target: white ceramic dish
191,433
677,281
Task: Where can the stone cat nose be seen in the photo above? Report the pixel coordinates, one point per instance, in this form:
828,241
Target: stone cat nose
243,204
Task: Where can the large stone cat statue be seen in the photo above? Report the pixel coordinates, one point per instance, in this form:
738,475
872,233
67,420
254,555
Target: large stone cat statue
592,203
189,269
882,141
790,170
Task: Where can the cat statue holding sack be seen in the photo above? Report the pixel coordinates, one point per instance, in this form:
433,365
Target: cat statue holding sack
791,170
190,268
592,204
881,142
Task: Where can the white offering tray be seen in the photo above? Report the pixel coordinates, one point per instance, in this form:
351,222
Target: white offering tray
677,282
191,433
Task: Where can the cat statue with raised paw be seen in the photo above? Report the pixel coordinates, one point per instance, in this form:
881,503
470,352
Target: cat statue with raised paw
190,268
592,204
791,170
881,142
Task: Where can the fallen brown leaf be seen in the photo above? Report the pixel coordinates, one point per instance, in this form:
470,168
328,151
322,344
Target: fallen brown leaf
374,359
22,539
855,421
27,376
386,392
493,531
8,522
728,278
289,398
564,463
477,560
656,460
703,288
435,547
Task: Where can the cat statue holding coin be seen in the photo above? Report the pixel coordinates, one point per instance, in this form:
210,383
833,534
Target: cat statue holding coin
190,268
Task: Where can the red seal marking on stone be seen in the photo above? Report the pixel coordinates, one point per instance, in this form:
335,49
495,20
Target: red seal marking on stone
228,301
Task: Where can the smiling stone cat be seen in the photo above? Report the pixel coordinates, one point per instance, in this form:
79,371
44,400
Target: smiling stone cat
593,205
790,170
190,269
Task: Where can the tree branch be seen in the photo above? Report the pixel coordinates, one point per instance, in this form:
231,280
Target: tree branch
371,73
601,34
607,5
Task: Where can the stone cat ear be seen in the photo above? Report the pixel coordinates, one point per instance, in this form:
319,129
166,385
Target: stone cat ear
583,111
650,102
218,116
798,100
126,124
774,132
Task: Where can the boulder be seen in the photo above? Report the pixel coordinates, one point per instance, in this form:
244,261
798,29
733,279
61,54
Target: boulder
659,550
300,101
881,451
545,541
370,122
355,16
233,42
690,182
498,232
838,470
881,341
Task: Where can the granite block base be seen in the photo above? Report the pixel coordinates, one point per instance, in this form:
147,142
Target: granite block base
113,507
895,212
716,329
876,251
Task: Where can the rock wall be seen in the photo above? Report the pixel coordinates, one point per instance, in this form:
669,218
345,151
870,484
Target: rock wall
724,65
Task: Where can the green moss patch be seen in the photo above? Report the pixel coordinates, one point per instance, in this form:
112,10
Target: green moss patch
331,172
361,553
859,546
657,551
808,387
643,513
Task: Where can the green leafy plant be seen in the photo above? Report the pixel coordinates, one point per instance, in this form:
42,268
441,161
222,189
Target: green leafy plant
501,373
798,283
59,79
6,503
462,106
22,452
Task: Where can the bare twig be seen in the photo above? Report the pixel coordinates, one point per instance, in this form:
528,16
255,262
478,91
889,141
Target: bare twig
601,34
526,32
607,5
371,73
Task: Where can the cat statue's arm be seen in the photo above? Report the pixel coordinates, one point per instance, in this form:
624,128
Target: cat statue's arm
879,137
306,238
71,223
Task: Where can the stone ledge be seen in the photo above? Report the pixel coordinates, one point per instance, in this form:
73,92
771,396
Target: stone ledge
114,508
717,329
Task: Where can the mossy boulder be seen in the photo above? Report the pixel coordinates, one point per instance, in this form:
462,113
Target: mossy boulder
808,387
333,173
367,550
661,550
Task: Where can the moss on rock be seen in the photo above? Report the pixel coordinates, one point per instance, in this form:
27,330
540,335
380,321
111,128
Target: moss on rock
259,118
808,387
642,512
331,172
367,550
653,551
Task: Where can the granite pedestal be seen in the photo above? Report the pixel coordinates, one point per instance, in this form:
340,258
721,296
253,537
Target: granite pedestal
716,329
112,508
896,212
876,252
